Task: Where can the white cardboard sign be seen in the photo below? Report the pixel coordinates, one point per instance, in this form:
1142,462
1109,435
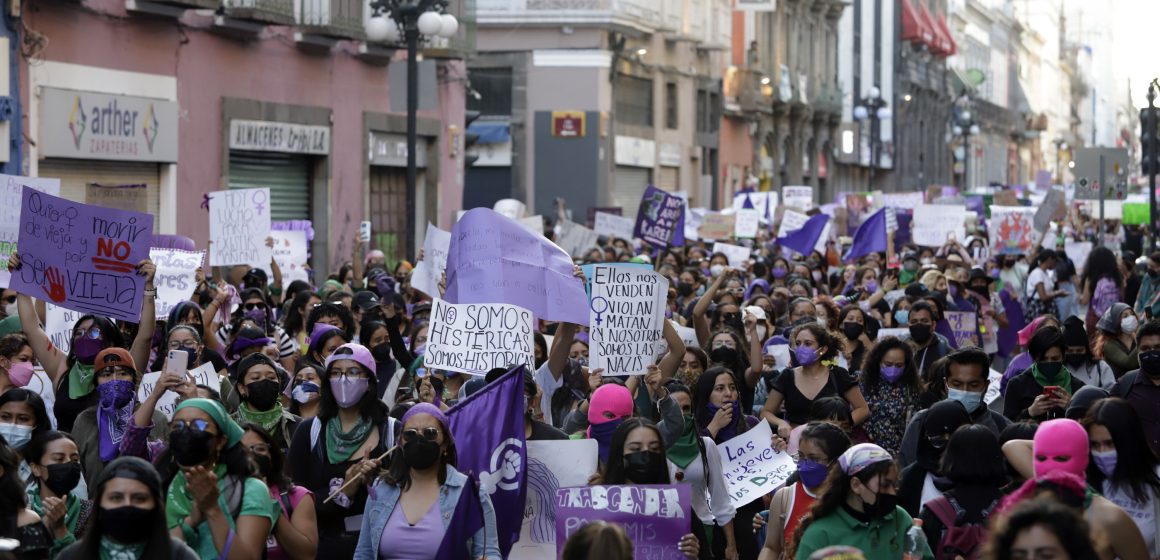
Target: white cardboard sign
476,337
612,225
202,375
428,271
176,277
752,467
626,316
738,256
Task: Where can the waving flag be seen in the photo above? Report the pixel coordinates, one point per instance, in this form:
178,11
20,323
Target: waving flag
805,239
870,237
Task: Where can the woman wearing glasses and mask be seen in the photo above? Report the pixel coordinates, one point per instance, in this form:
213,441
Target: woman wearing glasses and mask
420,500
352,429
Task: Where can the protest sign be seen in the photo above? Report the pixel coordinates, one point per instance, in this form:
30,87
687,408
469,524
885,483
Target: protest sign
82,257
994,383
131,198
964,326
693,223
1113,209
893,296
626,318
738,256
58,325
428,271
204,374
716,226
41,384
11,189
1005,197
904,200
551,465
611,225
745,223
1010,229
534,224
660,221
239,223
477,337
901,334
764,202
654,516
752,467
1052,208
799,197
176,277
290,252
688,335
934,224
510,208
493,260
575,239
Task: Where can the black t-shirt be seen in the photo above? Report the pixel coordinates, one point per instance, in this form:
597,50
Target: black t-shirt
543,432
1021,393
797,405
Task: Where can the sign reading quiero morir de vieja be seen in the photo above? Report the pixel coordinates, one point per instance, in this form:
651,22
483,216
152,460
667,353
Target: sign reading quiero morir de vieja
87,125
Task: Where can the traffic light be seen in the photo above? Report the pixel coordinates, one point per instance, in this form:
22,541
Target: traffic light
469,138
1149,140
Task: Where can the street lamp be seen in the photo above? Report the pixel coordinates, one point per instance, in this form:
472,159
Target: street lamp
964,127
1060,148
875,109
415,18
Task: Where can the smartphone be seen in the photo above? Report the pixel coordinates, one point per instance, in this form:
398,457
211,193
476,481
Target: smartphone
364,232
1052,390
176,362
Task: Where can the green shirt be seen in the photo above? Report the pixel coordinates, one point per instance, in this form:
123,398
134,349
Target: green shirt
882,539
256,501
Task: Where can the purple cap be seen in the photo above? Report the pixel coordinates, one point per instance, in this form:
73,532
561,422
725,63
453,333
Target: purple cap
356,352
319,330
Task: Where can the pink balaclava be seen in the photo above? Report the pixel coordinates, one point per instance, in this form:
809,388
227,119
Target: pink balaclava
609,398
1056,440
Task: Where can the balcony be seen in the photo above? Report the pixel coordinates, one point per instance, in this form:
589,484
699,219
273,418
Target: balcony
168,8
744,91
273,12
827,100
627,15
328,20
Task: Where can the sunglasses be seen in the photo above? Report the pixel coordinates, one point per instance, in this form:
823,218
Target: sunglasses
253,306
197,425
429,433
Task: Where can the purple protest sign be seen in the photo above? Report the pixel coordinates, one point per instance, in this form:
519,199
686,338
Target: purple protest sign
493,259
654,516
82,257
660,222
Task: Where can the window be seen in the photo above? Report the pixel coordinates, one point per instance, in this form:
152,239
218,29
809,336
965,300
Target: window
494,86
634,100
708,111
671,117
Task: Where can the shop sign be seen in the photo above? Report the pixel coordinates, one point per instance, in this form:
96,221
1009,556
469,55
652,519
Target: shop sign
290,138
88,125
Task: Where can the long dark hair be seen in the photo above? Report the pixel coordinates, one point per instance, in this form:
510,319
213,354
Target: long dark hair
1102,263
277,474
111,336
295,321
872,365
704,389
34,451
327,309
370,407
833,441
12,496
1068,527
133,468
614,469
831,341
833,496
39,411
973,457
1135,461
398,472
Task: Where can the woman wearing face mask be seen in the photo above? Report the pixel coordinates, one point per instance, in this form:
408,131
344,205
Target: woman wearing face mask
857,327
90,335
974,466
260,388
727,349
376,335
858,508
820,445
296,531
101,429
256,309
1080,360
693,364
924,480
890,384
128,520
694,460
1102,285
15,362
1123,467
17,522
1115,340
813,348
23,417
1043,390
607,408
215,505
56,472
351,429
188,315
637,456
304,393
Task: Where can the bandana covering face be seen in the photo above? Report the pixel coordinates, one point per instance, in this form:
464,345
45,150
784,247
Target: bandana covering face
1057,439
114,412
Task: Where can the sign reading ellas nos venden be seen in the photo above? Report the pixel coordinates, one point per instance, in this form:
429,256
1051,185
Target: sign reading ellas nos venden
87,125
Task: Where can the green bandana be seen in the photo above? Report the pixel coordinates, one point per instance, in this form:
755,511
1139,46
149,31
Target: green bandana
685,449
1063,379
113,550
230,429
80,380
341,445
71,502
268,420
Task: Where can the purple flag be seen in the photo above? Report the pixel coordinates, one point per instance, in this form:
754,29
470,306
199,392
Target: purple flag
804,240
658,515
493,259
870,237
748,204
660,222
1009,337
82,257
488,429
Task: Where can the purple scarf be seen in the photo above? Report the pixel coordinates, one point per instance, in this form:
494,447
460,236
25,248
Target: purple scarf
728,432
112,419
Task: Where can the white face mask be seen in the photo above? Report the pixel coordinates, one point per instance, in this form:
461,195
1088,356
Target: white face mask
10,309
822,322
716,270
1129,324
761,332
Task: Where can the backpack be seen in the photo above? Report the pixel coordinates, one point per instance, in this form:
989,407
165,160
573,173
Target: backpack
958,539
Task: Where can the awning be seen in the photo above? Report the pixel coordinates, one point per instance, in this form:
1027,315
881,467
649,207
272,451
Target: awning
938,45
911,26
946,31
491,132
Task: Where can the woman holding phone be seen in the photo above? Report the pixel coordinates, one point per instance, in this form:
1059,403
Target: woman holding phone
1043,390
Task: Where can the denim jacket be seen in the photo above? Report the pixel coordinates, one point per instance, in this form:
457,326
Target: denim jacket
384,497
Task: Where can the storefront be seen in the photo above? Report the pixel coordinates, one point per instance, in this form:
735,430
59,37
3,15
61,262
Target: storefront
669,172
110,150
635,160
279,156
387,190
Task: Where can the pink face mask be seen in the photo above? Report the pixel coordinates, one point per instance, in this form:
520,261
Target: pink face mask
20,373
612,398
1060,445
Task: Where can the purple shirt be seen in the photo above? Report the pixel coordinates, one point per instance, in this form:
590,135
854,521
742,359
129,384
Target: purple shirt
411,542
1018,365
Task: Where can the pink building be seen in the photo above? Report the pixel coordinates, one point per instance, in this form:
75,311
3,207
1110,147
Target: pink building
200,95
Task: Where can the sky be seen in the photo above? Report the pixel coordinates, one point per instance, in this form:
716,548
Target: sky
1136,28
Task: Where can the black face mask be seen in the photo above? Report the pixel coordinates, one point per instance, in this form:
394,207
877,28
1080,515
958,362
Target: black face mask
262,462
723,355
684,289
852,330
382,352
421,453
1050,369
263,394
980,289
883,505
920,333
190,447
63,477
127,524
732,320
645,467
1150,363
1075,359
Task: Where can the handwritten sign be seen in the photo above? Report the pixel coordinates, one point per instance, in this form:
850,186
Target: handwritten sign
1010,229
239,223
534,224
715,225
994,382
477,337
551,465
752,467
202,375
660,221
176,277
133,198
575,238
904,200
82,257
626,318
965,327
611,225
799,197
933,224
41,384
746,222
738,256
510,208
11,190
654,516
58,325
428,271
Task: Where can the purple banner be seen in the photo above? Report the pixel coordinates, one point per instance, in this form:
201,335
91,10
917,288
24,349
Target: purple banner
82,257
493,259
494,452
660,222
654,516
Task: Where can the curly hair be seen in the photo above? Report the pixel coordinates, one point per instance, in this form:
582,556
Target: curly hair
832,310
1068,527
872,365
832,342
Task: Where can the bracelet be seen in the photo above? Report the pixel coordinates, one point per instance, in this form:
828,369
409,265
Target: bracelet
150,292
275,290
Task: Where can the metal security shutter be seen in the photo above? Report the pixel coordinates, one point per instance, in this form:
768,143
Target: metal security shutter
388,210
629,187
286,175
669,179
76,174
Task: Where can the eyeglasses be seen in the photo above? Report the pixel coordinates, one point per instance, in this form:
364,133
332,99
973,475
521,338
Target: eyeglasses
260,449
93,333
183,344
197,425
352,373
253,306
429,433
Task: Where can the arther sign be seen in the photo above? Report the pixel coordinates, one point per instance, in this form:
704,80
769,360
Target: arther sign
87,125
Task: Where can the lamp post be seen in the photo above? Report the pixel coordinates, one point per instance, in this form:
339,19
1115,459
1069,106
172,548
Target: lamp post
415,18
1060,147
964,127
875,109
